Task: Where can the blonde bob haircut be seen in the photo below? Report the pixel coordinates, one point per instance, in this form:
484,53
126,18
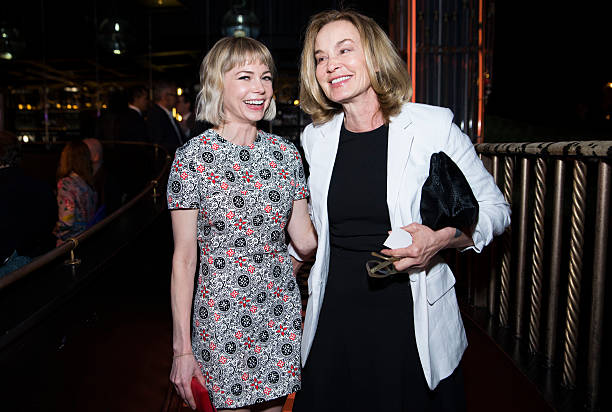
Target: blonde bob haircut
227,53
388,75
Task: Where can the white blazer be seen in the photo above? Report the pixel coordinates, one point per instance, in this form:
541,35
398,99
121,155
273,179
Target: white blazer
414,135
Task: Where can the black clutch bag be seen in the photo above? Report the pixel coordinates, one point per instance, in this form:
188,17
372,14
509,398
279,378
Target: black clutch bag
446,197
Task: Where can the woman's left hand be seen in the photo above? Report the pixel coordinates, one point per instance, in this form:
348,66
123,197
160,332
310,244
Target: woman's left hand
426,243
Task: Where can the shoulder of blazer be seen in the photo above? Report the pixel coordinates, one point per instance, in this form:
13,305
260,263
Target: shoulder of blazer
312,133
431,122
425,114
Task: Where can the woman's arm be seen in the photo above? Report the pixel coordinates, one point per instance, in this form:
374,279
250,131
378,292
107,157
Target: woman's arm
300,228
493,214
184,259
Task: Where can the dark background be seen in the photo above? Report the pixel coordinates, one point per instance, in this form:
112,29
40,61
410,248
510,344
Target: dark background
551,64
550,60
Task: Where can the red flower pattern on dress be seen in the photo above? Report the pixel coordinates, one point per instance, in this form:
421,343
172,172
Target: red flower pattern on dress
240,223
256,383
247,176
213,177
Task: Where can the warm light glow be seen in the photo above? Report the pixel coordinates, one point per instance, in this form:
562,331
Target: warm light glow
174,112
20,106
607,117
58,106
104,106
117,51
68,106
29,107
179,118
296,102
87,104
179,92
6,56
609,85
71,89
75,107
26,138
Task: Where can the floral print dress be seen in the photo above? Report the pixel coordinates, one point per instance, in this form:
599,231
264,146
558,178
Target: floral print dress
247,309
76,206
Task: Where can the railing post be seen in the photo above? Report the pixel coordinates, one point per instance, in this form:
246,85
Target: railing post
537,256
73,261
493,264
602,221
507,246
522,247
555,261
570,346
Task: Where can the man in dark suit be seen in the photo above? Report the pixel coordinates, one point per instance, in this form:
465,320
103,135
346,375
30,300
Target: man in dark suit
184,107
131,125
163,128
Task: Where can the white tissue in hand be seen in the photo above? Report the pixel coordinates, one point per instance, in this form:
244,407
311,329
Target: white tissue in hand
398,238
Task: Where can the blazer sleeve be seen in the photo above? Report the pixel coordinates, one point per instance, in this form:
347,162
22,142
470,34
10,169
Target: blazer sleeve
494,211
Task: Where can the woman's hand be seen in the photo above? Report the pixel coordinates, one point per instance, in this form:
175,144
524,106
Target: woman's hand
426,243
183,369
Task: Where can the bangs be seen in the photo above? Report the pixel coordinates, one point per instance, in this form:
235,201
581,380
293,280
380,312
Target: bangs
242,52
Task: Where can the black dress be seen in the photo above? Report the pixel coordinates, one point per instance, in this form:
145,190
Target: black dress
364,355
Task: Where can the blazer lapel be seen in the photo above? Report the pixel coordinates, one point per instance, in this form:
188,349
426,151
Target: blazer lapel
400,144
327,148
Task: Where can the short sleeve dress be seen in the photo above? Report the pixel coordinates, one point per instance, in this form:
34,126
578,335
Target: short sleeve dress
247,309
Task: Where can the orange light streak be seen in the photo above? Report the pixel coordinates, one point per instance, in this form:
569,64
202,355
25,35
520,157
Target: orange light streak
479,126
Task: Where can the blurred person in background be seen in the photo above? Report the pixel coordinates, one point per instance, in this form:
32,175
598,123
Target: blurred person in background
76,197
163,127
184,107
28,210
131,125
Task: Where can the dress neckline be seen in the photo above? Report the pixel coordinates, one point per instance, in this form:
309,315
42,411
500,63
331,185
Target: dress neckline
224,140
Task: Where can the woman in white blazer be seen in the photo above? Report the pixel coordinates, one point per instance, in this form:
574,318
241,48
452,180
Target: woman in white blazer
371,344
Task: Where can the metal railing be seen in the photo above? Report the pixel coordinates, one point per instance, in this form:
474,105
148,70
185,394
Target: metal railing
526,289
72,243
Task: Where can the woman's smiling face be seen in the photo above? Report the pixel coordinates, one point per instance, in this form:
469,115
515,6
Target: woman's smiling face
247,91
341,68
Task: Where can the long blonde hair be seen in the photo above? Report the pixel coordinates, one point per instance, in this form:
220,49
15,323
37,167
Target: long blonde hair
227,53
387,71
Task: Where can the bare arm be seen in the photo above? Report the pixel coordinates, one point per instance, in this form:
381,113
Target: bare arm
300,228
184,366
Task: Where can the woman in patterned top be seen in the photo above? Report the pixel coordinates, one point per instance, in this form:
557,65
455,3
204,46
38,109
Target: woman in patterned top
76,198
233,191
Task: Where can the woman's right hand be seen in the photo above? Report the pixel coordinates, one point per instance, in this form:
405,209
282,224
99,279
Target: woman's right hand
184,368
